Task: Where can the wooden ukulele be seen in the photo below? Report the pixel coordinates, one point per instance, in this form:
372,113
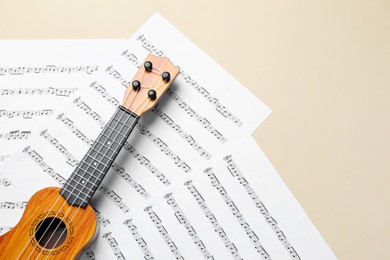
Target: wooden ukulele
59,223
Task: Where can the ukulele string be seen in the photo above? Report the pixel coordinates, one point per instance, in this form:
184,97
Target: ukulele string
73,188
82,219
29,241
160,86
67,213
132,125
75,213
79,192
89,178
47,214
53,218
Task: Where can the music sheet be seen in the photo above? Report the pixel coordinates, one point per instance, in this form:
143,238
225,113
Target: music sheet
205,112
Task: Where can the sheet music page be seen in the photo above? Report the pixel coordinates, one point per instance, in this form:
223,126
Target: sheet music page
36,76
235,207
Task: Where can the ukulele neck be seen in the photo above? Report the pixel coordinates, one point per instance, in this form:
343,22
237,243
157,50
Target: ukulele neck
89,174
148,85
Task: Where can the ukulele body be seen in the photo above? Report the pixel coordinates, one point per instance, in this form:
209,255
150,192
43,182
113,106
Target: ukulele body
34,237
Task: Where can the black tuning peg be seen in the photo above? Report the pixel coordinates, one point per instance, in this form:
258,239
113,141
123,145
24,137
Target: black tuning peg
148,66
136,85
152,94
166,76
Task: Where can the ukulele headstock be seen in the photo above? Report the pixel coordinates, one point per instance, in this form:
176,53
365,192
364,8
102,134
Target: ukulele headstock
149,84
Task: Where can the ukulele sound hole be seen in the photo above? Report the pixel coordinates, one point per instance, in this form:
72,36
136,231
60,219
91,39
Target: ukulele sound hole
51,233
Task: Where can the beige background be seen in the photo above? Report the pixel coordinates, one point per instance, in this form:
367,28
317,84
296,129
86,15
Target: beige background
322,66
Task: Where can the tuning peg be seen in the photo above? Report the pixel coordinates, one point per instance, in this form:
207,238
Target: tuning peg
136,85
166,76
152,94
148,66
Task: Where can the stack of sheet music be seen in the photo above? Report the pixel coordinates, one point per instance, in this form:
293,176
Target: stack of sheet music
193,184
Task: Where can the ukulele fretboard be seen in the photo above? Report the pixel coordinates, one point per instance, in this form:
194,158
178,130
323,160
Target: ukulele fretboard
90,172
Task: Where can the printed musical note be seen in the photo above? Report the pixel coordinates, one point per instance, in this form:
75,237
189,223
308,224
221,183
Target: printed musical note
117,76
89,254
3,157
4,182
193,114
240,218
163,148
212,219
190,229
71,160
45,167
146,163
121,172
201,90
47,69
143,130
114,197
164,233
141,159
103,221
64,92
235,171
139,239
15,135
187,137
4,229
114,246
13,204
89,112
25,114
59,179
103,92
69,123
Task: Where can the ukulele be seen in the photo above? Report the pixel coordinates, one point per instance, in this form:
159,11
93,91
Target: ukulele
59,223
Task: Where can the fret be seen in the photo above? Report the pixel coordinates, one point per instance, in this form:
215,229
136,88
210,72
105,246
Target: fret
90,172
80,189
110,149
105,141
78,178
112,136
73,197
85,173
104,150
119,129
92,164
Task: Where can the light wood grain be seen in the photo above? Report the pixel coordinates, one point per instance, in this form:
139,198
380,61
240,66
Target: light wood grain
138,101
81,225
